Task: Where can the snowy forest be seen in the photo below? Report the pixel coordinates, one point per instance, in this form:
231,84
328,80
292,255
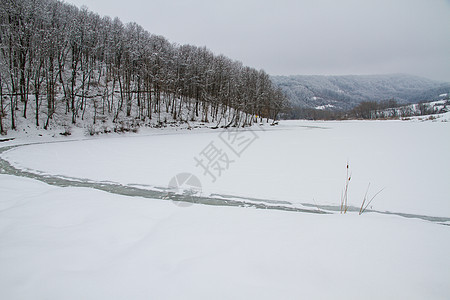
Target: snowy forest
346,92
61,64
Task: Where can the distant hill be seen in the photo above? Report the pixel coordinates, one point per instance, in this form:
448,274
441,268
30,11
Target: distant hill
345,92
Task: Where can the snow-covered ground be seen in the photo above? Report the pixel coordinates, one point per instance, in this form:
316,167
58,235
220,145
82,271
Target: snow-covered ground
80,243
322,107
297,161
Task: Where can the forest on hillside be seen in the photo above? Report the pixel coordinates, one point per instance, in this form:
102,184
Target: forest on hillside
61,64
340,93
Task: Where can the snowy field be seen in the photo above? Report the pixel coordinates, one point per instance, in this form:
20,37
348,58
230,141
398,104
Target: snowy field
81,243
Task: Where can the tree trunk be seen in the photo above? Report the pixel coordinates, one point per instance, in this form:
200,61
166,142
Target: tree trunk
36,95
13,112
1,107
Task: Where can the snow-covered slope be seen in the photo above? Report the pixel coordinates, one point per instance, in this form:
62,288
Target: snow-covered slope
344,92
432,110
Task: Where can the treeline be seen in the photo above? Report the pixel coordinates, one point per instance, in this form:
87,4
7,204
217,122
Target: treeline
307,113
59,59
372,109
364,110
388,109
391,109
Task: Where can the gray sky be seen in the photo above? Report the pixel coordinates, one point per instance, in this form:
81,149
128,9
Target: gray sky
287,37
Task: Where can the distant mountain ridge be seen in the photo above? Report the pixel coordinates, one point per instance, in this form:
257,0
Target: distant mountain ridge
345,92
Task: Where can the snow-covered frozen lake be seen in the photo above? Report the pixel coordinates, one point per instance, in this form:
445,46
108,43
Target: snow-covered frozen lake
297,161
81,243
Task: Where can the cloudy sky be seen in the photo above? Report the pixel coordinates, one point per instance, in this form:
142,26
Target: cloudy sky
286,37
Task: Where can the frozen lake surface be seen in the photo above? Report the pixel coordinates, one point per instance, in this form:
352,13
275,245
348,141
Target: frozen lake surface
298,162
69,241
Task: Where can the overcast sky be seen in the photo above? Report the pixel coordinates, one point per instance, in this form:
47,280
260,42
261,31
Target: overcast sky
287,37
